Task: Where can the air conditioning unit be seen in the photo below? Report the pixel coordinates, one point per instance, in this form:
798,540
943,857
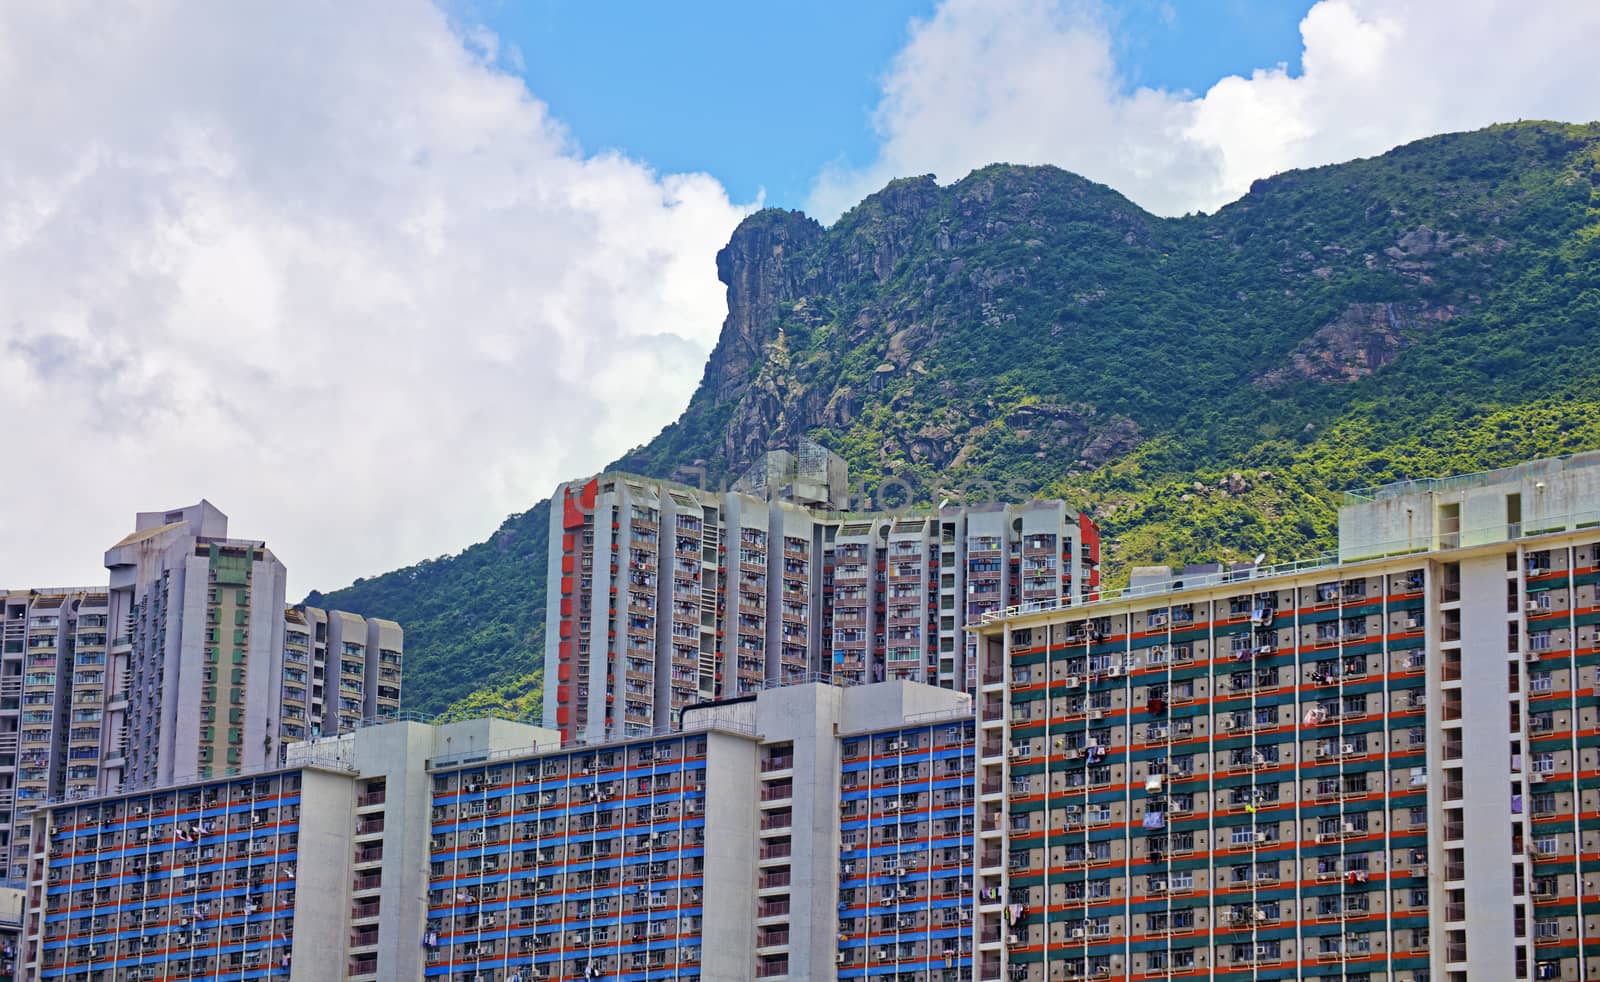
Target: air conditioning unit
1348,748
1077,933
901,871
1532,606
1537,777
1073,681
1097,714
1013,939
1261,837
838,958
1158,886
1349,828
1229,723
883,954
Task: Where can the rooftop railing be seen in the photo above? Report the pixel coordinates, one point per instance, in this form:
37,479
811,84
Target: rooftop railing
1456,482
1369,552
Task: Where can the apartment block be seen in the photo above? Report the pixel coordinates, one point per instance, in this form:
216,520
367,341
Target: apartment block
798,833
198,663
310,871
52,685
663,595
185,665
785,835
906,861
339,669
1382,764
210,673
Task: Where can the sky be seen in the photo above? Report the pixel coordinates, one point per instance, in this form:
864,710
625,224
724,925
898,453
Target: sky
370,276
781,90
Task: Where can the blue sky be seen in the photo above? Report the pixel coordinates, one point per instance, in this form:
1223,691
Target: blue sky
763,95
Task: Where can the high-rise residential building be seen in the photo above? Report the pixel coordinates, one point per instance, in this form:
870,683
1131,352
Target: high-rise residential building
339,668
313,870
197,673
662,595
798,833
1383,764
52,684
806,831
187,664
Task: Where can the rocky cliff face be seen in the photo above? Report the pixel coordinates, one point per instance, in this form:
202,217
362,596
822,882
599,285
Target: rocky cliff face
763,267
1363,339
1205,386
1025,320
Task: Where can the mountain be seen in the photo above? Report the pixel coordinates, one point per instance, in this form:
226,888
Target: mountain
1205,385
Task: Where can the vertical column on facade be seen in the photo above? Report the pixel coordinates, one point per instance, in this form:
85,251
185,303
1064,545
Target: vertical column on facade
1584,736
1574,689
1157,705
1259,616
1390,871
1527,774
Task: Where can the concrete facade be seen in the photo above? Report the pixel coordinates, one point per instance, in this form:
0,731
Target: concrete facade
767,838
185,665
1378,766
312,871
661,595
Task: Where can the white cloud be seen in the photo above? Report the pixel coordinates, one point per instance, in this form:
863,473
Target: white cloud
1035,81
325,265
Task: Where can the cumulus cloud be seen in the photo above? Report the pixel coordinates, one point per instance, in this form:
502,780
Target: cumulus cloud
1036,81
327,266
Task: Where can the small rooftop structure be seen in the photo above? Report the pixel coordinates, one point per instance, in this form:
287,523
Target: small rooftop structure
810,475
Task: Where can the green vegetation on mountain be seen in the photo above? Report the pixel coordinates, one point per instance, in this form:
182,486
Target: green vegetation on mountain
473,621
1205,385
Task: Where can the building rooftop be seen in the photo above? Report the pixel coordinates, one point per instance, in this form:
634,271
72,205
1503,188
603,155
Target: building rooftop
1478,479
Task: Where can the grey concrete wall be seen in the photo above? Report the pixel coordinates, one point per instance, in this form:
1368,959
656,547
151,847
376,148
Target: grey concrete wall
809,715
184,658
728,928
1486,754
383,634
263,665
552,603
323,878
599,643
